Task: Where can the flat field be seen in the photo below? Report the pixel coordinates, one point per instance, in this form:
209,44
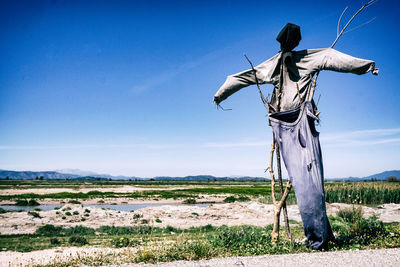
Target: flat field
234,219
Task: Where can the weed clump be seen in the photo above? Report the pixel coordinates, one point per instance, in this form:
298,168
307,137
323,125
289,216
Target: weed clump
190,201
78,240
351,215
34,214
230,199
120,242
49,230
24,202
55,241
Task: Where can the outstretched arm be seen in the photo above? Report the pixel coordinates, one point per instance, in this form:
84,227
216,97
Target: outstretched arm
235,82
337,61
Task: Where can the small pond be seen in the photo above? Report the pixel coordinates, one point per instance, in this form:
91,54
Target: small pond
121,207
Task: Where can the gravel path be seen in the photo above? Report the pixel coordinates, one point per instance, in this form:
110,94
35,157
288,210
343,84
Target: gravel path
364,258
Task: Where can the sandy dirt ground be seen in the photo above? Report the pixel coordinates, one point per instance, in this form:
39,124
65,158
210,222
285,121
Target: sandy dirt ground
253,213
181,216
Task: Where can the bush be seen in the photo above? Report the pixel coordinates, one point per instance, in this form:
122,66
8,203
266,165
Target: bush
68,213
73,201
24,202
137,216
2,211
125,230
87,211
243,199
78,240
75,213
230,199
351,215
170,229
158,220
49,230
392,179
78,230
34,214
190,201
120,242
55,241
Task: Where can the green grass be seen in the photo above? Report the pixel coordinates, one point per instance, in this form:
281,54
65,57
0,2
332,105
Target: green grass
369,193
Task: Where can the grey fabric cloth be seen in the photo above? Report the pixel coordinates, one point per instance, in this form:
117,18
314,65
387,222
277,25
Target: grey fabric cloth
299,145
298,68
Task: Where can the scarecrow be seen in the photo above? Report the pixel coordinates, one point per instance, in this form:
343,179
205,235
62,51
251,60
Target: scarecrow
292,115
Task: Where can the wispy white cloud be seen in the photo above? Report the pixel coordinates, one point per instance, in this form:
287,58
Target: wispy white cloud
163,76
362,137
338,139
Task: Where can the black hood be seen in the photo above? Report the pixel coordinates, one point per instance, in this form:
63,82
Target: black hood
289,37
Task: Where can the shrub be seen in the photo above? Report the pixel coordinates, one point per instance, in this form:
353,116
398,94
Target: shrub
68,213
195,214
170,229
73,201
34,214
125,230
83,219
87,211
86,215
392,179
190,201
243,199
75,213
158,220
362,232
24,202
230,199
55,241
120,242
63,217
79,230
351,215
2,211
137,216
49,230
78,240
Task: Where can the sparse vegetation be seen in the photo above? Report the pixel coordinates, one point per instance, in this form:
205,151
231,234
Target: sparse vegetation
34,214
190,201
24,202
77,240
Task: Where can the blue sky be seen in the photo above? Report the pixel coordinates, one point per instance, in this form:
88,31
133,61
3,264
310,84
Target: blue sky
126,87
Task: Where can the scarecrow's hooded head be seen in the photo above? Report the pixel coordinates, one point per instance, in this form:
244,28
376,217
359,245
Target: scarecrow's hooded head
289,37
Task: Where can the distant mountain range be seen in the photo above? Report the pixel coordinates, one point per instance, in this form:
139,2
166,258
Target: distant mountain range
75,174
